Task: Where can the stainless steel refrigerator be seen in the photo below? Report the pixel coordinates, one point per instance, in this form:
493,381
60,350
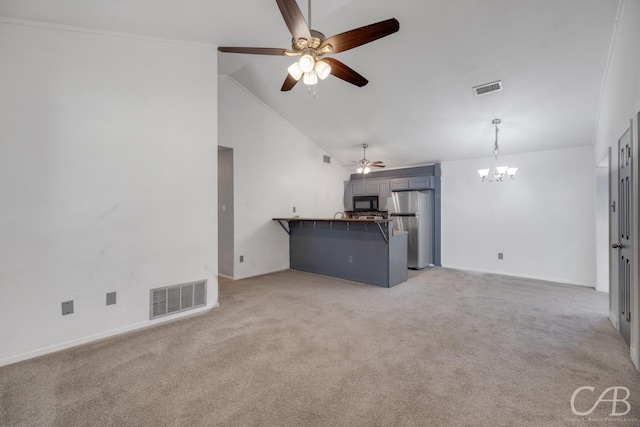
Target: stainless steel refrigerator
412,211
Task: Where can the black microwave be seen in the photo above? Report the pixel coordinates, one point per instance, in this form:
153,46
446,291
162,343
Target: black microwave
365,203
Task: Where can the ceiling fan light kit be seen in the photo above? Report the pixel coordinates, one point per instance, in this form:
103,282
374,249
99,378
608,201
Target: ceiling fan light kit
323,69
364,164
295,71
499,171
307,63
310,78
311,45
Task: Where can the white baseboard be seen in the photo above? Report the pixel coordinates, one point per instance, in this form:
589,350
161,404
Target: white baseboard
524,276
634,357
614,320
260,273
103,335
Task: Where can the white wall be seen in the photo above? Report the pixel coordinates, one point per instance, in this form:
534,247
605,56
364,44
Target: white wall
275,168
621,93
543,221
107,181
620,103
602,228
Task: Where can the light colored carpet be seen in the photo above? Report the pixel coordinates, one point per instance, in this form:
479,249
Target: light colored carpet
446,348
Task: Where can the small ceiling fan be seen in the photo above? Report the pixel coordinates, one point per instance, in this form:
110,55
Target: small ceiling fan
311,46
364,164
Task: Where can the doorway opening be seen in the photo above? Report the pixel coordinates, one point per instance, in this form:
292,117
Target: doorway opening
225,212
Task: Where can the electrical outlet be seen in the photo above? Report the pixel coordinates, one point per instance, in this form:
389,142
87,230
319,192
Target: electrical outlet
350,259
500,255
67,307
294,209
111,298
241,258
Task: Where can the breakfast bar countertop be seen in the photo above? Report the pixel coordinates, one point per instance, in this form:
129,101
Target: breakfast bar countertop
295,219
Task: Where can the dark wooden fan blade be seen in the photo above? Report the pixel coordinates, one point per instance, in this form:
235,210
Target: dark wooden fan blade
289,83
345,73
294,19
254,50
378,162
362,35
377,166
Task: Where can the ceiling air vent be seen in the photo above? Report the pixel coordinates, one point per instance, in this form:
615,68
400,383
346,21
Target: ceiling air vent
487,88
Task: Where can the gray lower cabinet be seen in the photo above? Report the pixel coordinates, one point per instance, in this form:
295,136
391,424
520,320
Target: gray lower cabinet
351,251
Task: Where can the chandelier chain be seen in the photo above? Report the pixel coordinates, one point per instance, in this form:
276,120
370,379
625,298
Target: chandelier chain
499,172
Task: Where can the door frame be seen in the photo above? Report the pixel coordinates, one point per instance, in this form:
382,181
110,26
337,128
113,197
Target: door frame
635,254
626,235
613,233
635,228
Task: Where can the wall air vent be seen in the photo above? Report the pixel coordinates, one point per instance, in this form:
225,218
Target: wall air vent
488,88
326,159
178,298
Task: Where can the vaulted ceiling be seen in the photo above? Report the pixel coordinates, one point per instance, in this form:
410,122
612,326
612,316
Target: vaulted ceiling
419,106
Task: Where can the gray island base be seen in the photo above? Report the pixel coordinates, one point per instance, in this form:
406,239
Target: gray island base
360,250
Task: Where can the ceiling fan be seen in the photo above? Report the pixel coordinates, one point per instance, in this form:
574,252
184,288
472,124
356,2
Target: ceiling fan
364,164
311,46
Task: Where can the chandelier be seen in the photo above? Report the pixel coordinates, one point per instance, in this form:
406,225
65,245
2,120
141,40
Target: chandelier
499,171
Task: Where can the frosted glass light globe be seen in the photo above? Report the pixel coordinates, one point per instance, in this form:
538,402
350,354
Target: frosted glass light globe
307,63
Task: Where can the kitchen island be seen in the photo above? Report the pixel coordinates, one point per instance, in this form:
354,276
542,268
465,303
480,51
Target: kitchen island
360,250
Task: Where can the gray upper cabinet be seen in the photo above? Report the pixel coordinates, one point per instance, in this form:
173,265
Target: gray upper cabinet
414,183
372,187
422,183
385,191
383,188
359,188
399,184
348,196
365,188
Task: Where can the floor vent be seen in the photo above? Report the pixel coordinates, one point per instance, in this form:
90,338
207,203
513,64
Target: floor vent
177,298
487,88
